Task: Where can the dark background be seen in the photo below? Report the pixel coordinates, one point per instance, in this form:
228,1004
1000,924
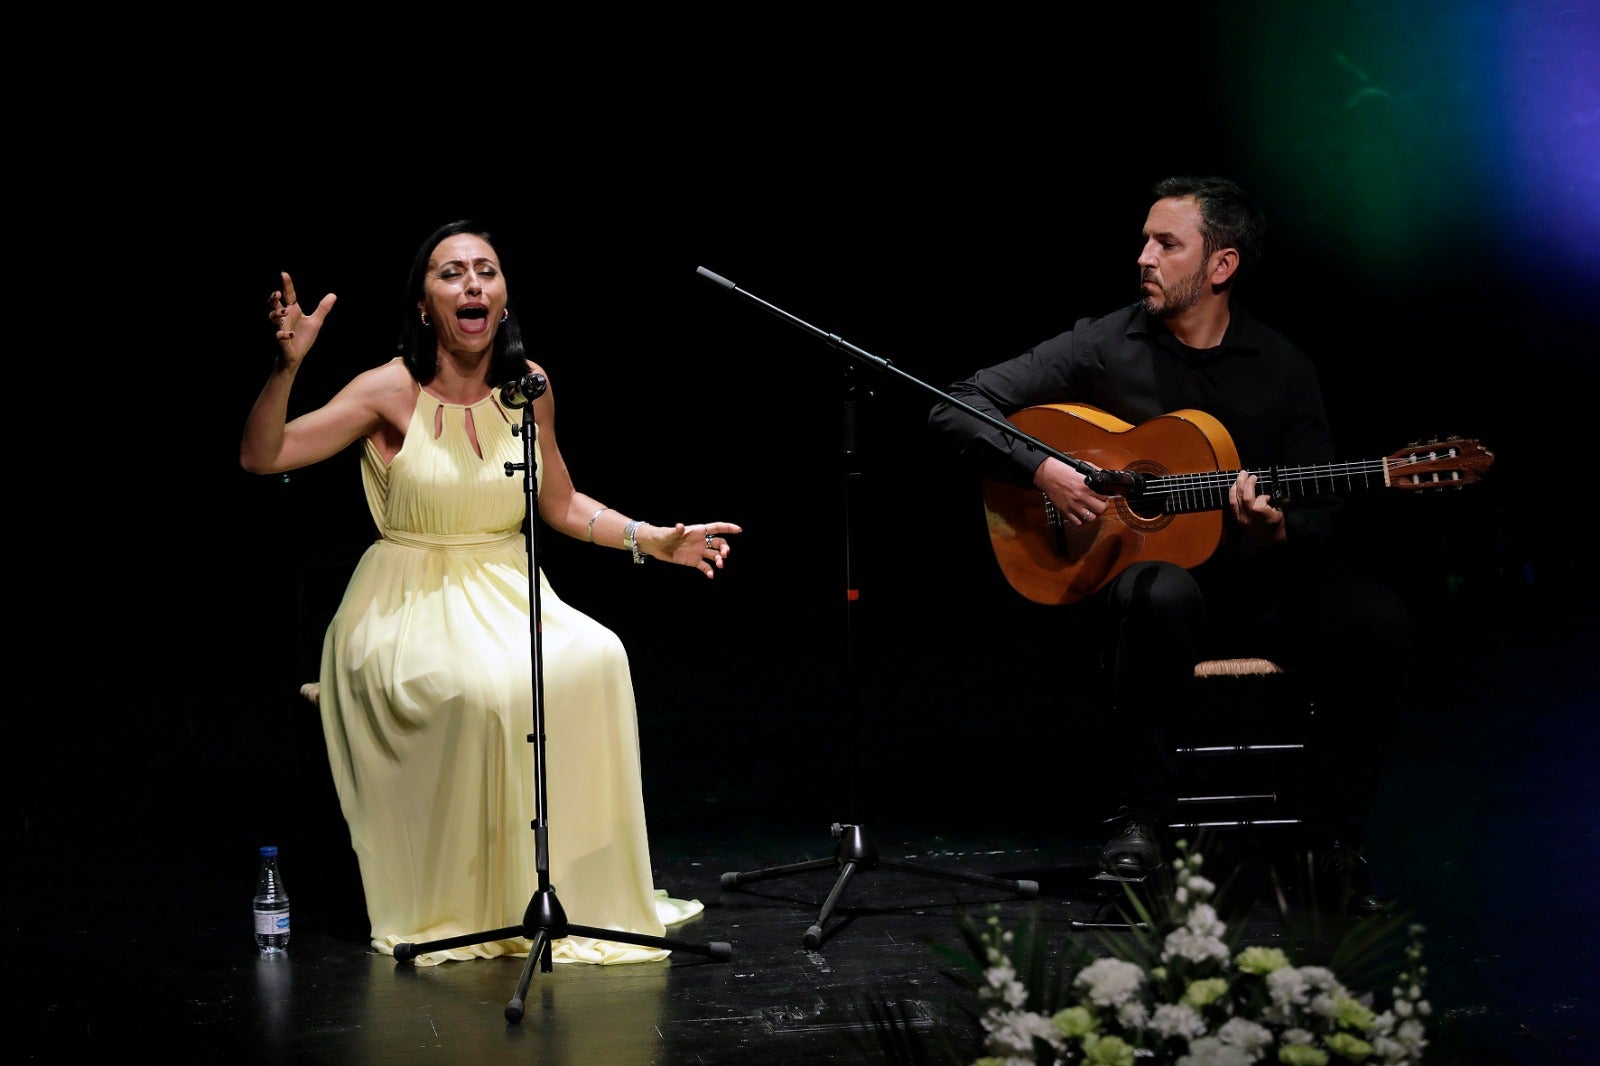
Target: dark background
941,212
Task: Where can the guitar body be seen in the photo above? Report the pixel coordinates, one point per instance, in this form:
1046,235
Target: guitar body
1186,462
1054,563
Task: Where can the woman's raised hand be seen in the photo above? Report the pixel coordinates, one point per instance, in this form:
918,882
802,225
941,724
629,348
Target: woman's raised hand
296,330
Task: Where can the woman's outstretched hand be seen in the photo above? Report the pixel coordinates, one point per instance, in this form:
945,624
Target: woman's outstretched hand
704,546
296,331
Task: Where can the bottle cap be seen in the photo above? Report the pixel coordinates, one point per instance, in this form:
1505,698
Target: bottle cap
269,851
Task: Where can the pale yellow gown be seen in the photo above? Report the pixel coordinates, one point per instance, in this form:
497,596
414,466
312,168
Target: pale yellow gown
427,705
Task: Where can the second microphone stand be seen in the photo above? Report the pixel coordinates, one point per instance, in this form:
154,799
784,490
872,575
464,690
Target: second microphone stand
857,851
544,921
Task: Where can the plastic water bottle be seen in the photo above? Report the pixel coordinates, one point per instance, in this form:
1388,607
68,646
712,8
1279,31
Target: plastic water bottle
271,904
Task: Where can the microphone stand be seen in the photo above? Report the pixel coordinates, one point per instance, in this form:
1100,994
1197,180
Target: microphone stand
544,920
857,850
1105,482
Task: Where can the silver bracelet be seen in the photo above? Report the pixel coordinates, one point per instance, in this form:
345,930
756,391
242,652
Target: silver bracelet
592,517
630,540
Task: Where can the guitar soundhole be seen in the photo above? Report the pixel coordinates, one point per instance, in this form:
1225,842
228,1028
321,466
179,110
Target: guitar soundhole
1145,513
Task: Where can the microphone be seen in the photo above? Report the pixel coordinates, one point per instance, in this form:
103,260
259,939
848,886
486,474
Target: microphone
1116,482
523,391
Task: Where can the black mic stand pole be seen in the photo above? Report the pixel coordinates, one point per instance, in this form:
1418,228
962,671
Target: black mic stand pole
856,849
544,920
1105,482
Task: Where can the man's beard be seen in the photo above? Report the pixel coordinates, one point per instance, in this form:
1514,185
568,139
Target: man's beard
1179,298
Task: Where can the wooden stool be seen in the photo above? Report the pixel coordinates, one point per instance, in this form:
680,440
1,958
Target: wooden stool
1238,760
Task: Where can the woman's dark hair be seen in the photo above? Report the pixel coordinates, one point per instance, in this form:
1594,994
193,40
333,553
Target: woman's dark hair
419,346
1228,218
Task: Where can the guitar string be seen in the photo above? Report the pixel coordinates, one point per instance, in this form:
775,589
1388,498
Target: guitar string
1294,476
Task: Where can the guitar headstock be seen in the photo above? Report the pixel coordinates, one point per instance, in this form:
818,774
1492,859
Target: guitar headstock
1438,464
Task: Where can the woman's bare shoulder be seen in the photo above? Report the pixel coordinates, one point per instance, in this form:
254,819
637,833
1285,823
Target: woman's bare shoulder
387,393
385,380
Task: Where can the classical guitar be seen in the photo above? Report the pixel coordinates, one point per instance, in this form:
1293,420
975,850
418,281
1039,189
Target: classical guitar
1181,465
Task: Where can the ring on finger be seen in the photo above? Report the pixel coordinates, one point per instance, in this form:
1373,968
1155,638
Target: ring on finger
709,544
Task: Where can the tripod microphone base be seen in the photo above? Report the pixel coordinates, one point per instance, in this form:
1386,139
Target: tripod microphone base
858,851
544,922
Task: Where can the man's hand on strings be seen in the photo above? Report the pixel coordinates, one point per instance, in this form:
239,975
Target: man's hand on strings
1078,503
1254,510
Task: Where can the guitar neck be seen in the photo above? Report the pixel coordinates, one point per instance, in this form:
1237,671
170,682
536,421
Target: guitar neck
1208,491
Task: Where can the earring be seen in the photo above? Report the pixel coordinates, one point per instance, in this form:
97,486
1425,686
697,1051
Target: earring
505,314
425,321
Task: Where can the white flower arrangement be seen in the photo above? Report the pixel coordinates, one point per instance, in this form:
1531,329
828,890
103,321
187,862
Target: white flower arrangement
1182,995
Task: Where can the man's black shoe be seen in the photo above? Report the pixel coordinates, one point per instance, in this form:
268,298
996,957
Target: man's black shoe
1344,883
1135,848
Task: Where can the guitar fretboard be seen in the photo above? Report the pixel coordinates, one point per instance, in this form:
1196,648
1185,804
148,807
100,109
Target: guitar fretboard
1208,491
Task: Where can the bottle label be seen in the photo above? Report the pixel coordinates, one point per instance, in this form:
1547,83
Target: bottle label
272,923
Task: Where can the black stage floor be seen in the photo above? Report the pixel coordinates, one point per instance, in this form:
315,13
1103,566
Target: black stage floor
130,932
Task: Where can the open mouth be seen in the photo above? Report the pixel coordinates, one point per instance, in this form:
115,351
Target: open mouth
472,319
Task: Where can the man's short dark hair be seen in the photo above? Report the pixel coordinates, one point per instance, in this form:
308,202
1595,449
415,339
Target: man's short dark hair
1228,218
